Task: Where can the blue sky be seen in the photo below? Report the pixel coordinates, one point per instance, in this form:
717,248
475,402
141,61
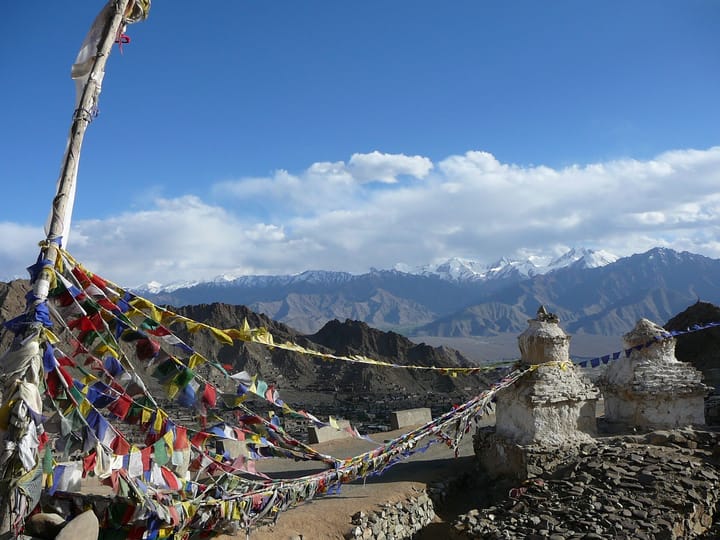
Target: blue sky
275,137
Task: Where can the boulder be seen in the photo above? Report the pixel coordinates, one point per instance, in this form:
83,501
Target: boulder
44,525
84,526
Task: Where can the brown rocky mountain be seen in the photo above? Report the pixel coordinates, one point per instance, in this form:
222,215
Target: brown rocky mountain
702,349
309,382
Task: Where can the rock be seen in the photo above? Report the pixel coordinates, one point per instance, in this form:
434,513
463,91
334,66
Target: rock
84,526
44,525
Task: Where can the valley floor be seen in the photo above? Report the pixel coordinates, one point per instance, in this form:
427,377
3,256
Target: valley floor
504,347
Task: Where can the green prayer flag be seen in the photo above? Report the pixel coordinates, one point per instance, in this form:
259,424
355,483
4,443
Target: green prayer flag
160,452
48,460
184,377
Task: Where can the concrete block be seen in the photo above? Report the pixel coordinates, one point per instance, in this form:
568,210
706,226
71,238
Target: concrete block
328,433
410,417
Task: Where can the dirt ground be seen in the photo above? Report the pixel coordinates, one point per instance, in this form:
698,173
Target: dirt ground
330,517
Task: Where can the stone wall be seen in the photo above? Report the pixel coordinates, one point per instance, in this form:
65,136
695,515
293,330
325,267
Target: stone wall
394,521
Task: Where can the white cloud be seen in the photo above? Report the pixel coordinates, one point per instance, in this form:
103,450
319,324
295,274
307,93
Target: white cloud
379,167
332,216
19,249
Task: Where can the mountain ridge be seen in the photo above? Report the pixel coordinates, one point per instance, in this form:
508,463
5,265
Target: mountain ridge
592,292
452,269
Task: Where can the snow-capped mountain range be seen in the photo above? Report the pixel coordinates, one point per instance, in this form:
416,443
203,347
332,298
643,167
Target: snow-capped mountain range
457,269
454,269
591,291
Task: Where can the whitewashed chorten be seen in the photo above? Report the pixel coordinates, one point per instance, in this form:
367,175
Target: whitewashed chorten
651,388
553,404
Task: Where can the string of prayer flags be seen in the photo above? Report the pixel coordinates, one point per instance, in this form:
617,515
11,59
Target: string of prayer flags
603,360
161,500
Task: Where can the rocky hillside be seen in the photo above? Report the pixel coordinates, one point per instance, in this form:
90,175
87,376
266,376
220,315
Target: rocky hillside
289,370
12,304
702,349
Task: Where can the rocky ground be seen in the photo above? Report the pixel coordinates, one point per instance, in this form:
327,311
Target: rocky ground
661,485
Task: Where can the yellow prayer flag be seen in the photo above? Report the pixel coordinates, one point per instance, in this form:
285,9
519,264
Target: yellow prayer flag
84,407
169,440
196,360
140,303
221,336
5,414
172,389
160,417
134,312
105,350
50,337
190,509
261,335
192,326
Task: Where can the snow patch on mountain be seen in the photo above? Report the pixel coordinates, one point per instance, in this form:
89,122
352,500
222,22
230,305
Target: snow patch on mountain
455,269
154,287
582,258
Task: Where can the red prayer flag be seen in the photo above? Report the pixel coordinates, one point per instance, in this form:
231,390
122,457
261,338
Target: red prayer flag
97,280
200,438
53,384
209,396
89,462
181,441
146,349
170,478
121,406
81,276
120,446
145,454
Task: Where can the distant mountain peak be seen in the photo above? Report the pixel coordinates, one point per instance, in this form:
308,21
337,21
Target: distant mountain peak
583,258
664,253
458,269
154,287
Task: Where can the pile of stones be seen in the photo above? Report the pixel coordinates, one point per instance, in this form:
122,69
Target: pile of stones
394,521
663,485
